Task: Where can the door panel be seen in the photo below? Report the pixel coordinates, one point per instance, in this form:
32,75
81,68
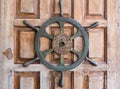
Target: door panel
26,80
24,44
95,9
28,9
20,39
98,49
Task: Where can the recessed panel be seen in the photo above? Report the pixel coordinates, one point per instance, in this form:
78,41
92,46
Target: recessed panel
95,9
27,9
24,44
27,49
27,6
26,80
97,81
97,43
26,83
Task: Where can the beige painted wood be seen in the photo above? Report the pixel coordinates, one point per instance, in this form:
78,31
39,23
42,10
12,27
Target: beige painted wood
6,41
85,76
118,64
78,80
78,13
41,67
26,80
96,81
44,79
26,83
45,9
112,44
95,7
96,46
27,44
35,22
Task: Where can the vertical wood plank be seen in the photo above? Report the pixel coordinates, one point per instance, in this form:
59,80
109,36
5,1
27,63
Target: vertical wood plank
57,79
96,43
44,80
118,69
6,38
112,43
78,13
45,8
79,80
45,13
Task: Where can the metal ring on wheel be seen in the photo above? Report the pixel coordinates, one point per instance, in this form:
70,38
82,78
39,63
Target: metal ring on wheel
42,33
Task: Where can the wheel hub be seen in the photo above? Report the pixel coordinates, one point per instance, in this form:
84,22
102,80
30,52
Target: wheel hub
62,44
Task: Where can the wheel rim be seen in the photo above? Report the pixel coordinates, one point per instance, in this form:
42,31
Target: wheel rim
42,30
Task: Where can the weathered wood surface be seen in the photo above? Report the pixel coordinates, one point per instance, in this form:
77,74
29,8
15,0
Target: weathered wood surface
104,44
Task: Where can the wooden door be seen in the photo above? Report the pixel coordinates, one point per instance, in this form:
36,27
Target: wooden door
17,44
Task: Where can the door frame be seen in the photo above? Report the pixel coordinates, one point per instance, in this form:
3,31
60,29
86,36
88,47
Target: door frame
7,40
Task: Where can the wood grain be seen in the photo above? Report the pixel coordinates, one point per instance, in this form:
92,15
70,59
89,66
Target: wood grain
112,44
27,6
104,45
26,83
96,43
28,9
27,80
95,9
27,49
55,76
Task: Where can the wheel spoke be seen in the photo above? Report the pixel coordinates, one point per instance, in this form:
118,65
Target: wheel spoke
30,62
30,25
61,60
45,34
61,82
77,34
61,23
45,53
91,61
92,26
77,53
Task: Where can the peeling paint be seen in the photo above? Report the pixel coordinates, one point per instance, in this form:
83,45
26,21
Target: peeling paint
1,59
8,53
